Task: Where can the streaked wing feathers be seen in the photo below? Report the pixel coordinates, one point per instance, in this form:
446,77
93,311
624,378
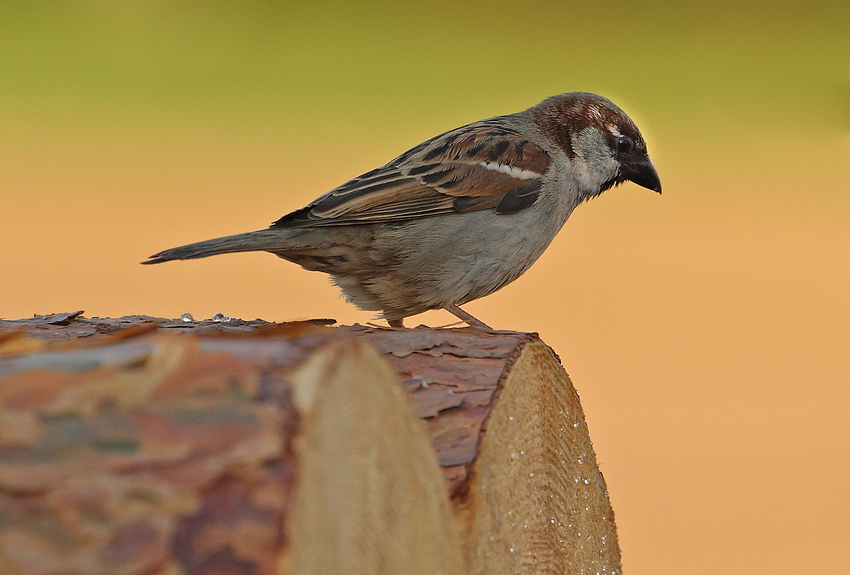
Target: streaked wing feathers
481,166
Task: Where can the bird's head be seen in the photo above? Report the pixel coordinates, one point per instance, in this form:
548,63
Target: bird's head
603,145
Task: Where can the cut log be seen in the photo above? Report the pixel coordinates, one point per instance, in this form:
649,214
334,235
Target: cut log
250,447
538,502
370,496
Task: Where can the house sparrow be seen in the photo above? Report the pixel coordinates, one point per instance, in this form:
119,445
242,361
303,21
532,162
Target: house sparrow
458,216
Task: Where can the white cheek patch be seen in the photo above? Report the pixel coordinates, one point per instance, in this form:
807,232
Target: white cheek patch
590,179
512,171
587,178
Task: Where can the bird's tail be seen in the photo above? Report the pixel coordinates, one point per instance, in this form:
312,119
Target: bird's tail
262,240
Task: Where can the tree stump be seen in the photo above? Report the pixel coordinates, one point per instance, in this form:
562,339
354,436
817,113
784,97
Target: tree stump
143,446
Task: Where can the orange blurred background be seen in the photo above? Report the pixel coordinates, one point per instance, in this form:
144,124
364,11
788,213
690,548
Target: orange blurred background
707,330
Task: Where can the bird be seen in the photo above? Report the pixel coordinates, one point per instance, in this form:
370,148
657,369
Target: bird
459,216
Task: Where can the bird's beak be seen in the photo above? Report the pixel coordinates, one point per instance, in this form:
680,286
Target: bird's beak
643,173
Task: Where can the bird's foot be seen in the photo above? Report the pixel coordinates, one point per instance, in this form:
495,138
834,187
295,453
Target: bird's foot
471,320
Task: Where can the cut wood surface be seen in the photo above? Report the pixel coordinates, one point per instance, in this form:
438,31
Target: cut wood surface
142,445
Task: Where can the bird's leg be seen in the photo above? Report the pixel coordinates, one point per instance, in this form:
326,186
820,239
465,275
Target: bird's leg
396,322
472,321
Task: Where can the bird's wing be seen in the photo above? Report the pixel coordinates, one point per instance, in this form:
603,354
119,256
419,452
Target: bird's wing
484,165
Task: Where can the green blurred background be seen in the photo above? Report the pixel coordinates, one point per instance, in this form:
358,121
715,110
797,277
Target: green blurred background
707,330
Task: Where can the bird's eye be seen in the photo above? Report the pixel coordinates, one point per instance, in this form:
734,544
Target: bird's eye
624,145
